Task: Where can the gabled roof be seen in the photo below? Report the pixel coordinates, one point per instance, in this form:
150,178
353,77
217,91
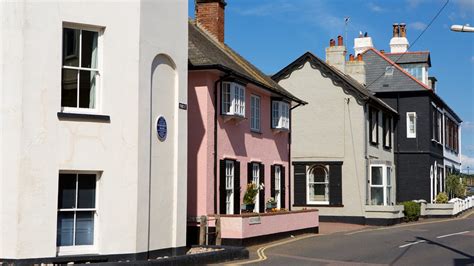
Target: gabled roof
334,74
205,52
376,80
410,57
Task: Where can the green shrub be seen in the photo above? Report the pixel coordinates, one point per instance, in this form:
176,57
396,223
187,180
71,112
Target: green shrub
412,211
455,186
442,198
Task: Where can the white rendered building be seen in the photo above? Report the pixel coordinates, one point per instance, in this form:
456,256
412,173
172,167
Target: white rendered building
82,168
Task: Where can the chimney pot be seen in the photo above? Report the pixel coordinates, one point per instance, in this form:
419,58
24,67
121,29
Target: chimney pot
210,16
351,57
359,57
332,43
403,30
382,51
396,30
340,41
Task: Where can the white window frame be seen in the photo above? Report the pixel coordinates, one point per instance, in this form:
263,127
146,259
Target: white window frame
82,249
410,134
280,115
326,183
385,170
98,90
229,185
255,112
278,185
256,181
236,103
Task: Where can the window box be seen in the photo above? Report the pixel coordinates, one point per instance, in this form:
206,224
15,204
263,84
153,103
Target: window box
232,101
280,115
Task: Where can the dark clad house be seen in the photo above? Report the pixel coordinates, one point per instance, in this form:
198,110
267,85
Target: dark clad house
427,132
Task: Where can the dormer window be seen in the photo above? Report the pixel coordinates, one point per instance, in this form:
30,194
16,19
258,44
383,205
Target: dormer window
233,99
418,71
280,115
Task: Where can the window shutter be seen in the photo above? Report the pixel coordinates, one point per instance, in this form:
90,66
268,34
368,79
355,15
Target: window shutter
282,188
272,181
335,184
262,192
300,184
222,192
249,174
237,187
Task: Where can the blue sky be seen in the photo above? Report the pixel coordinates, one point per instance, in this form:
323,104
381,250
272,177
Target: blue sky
272,33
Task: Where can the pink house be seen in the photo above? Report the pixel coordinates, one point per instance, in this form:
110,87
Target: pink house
239,126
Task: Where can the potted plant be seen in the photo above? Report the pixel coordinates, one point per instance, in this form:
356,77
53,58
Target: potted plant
271,203
249,197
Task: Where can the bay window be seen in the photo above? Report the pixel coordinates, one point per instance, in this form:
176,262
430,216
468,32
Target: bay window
280,115
233,99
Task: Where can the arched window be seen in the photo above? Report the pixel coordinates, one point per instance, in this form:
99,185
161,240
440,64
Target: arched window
318,185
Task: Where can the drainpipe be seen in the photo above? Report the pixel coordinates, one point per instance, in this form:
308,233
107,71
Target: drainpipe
289,155
216,102
367,166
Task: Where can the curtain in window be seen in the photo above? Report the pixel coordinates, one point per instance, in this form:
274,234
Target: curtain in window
93,78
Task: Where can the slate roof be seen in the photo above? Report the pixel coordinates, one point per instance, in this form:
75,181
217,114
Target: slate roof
410,57
376,80
351,83
205,52
399,81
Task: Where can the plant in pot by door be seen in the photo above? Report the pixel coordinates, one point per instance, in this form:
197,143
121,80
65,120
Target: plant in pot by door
271,204
249,198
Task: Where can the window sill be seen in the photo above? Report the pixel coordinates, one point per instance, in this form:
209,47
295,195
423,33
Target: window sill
235,117
387,148
280,129
253,131
76,250
83,117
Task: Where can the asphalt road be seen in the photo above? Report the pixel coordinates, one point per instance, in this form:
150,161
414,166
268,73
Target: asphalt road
435,242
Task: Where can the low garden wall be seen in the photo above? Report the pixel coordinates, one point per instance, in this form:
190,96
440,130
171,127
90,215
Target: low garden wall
452,208
236,229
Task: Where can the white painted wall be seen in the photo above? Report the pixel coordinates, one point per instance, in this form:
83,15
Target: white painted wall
36,145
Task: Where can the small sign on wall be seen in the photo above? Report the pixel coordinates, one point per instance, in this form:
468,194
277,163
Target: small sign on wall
255,220
161,128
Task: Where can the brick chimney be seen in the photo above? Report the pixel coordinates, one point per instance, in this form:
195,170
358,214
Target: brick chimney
210,17
336,55
399,42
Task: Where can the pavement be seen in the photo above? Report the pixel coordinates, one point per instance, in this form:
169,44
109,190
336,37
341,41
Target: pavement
427,242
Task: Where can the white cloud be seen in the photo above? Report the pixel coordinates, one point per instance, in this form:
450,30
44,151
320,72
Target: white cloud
376,8
467,161
472,58
417,25
467,126
414,3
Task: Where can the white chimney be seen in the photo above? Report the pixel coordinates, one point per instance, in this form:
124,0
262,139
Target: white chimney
362,43
399,42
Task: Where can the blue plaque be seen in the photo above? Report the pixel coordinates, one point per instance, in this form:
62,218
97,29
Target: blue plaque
161,128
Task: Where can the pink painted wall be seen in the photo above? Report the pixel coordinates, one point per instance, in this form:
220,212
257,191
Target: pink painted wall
239,227
235,141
